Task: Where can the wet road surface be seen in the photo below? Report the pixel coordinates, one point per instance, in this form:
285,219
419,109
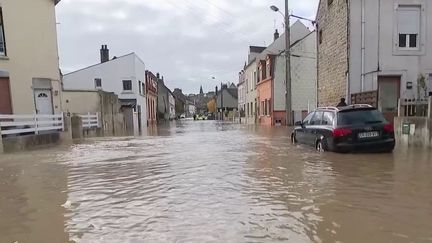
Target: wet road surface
213,182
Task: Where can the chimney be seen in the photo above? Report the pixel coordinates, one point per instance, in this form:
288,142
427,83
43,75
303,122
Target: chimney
276,35
158,76
217,90
104,54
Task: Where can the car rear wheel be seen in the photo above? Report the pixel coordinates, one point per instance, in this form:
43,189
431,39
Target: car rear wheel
293,138
320,146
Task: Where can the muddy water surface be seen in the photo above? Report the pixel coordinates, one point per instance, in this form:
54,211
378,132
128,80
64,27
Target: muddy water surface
213,182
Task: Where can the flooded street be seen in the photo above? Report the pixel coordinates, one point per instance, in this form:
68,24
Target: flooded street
213,182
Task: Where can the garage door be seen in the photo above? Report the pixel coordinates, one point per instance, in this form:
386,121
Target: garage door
5,97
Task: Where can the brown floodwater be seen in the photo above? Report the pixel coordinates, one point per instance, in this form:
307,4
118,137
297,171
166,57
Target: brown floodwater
213,182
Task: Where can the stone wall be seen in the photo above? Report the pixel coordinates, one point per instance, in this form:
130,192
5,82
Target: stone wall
419,131
332,51
106,104
112,118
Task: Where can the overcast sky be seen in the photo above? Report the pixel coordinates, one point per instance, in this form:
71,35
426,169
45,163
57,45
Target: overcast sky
187,41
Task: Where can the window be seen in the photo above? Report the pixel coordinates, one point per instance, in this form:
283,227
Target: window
247,85
320,37
268,71
127,85
42,95
140,87
269,107
2,36
247,110
98,83
260,74
360,117
143,88
328,118
262,112
306,121
430,85
317,118
254,80
408,26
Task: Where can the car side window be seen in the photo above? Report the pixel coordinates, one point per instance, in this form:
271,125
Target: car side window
306,121
317,118
328,118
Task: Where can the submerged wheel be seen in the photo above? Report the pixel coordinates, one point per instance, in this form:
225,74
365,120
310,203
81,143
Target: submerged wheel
320,146
293,138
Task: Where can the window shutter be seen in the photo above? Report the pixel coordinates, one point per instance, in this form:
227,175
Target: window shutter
409,20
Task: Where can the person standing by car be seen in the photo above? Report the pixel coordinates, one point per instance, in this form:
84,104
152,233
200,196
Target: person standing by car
342,103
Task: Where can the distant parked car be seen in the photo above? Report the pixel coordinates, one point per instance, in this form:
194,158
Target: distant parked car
354,128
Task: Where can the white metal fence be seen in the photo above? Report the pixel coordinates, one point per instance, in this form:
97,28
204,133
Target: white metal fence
90,120
30,124
421,108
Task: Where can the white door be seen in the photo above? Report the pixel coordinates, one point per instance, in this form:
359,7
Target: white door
43,102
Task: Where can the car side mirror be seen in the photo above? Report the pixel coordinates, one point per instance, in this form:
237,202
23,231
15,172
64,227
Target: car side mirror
299,124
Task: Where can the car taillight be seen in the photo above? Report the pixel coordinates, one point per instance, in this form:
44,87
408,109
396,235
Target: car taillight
389,128
341,132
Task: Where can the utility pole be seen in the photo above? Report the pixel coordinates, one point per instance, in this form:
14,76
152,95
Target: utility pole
288,66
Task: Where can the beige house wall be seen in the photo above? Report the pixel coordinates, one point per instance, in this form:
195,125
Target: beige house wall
31,46
81,102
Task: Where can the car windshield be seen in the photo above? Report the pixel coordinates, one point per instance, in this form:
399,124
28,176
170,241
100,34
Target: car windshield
357,117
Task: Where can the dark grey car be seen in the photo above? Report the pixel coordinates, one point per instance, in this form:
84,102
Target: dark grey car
355,128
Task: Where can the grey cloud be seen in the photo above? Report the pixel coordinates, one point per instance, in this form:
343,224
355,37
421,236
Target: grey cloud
187,41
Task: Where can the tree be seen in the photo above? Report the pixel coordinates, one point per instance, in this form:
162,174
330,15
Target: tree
422,86
211,106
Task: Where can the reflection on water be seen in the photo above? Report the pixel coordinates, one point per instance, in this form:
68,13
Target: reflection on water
214,182
32,189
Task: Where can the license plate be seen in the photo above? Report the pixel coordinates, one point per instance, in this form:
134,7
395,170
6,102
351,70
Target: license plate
368,135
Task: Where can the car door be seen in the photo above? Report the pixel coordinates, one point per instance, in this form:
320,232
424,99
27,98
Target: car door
300,131
311,130
327,125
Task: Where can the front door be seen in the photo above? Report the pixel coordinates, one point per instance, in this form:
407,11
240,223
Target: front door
5,97
43,101
388,96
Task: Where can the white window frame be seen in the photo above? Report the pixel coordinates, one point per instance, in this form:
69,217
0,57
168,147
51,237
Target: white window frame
408,35
421,36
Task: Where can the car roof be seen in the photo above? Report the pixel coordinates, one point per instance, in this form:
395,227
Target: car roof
346,108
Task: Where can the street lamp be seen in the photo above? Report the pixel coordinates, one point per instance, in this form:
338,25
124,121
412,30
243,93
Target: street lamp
276,9
288,105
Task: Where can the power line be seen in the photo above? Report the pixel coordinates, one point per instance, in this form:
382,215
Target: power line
192,8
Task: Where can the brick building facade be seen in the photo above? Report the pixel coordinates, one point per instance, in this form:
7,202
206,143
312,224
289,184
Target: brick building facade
332,25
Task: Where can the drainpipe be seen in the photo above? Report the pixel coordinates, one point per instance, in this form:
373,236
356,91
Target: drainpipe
379,37
1,143
348,50
362,45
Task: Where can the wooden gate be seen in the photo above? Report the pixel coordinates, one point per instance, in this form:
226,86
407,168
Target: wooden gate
369,98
